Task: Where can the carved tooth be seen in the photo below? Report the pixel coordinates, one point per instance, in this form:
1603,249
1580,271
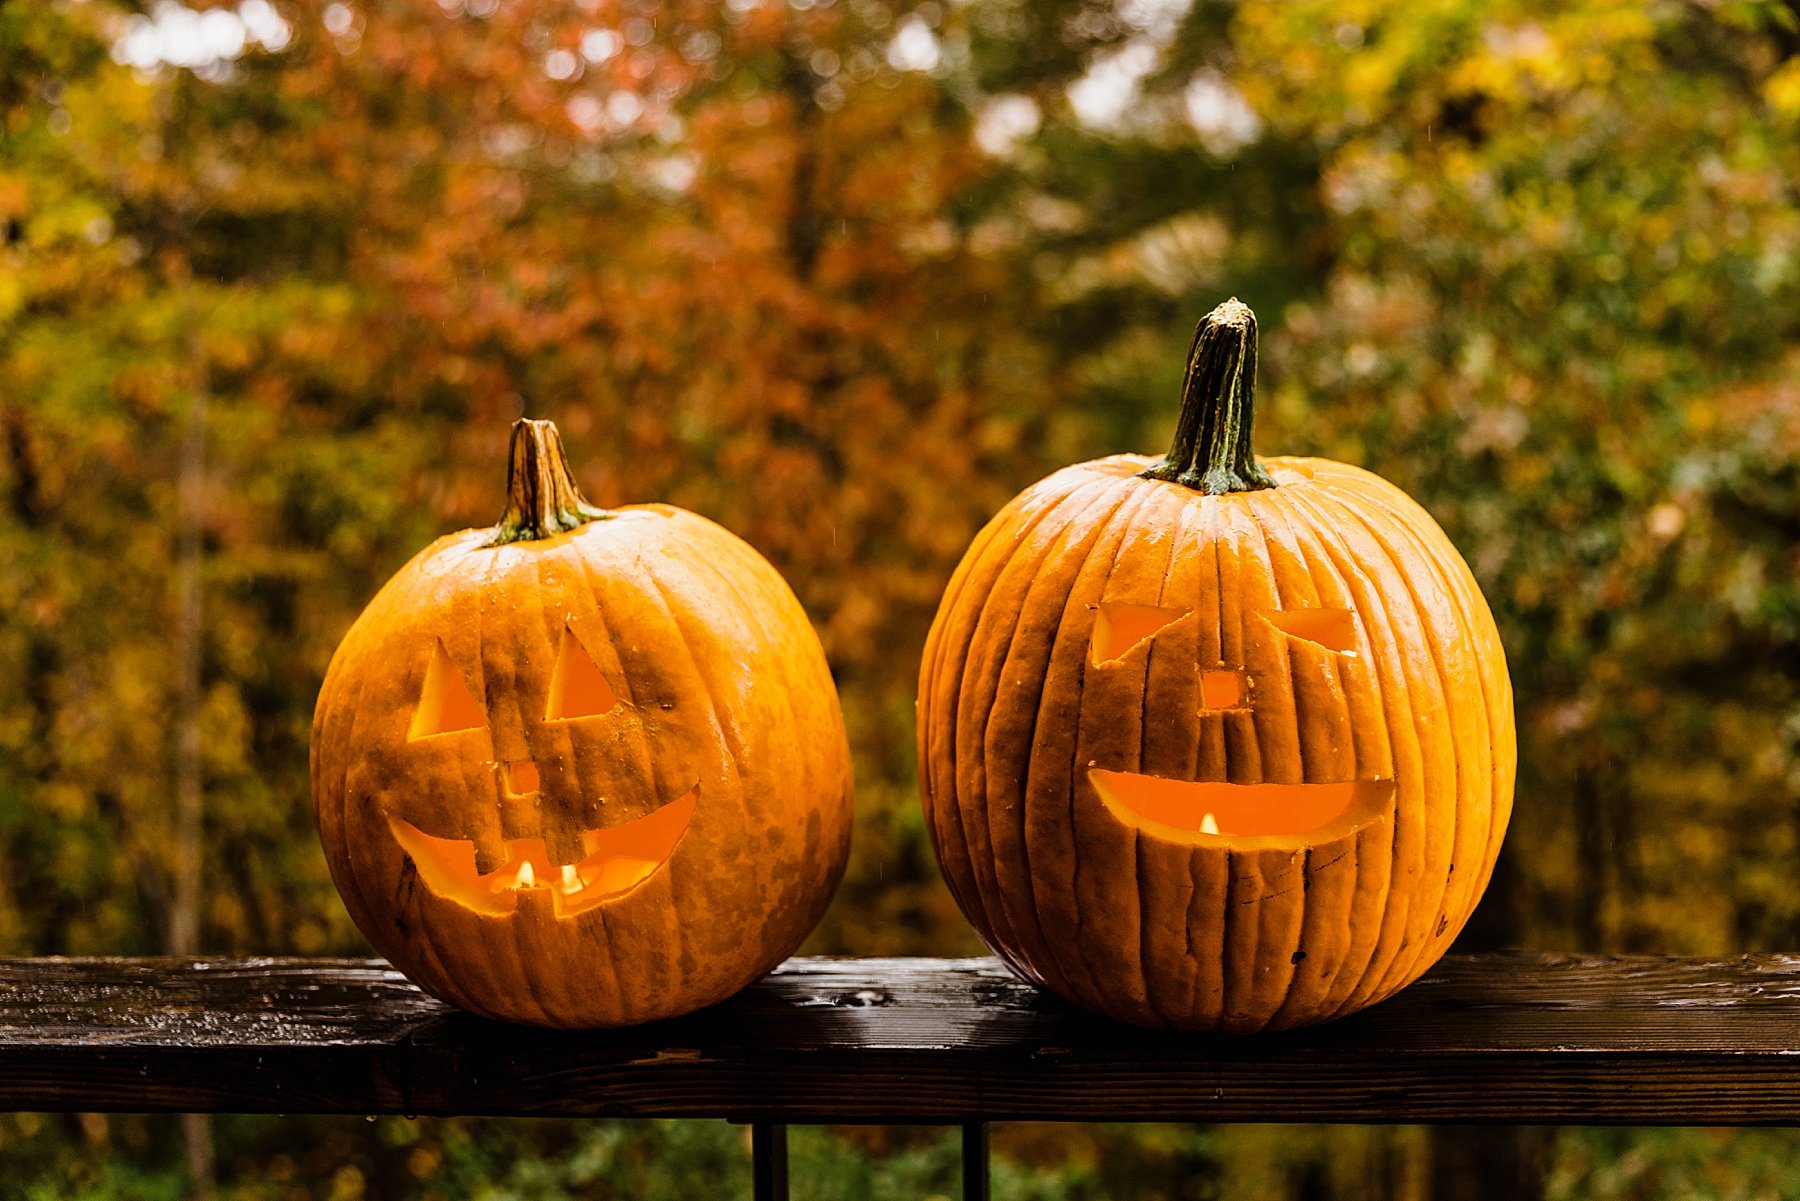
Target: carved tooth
490,855
564,841
1208,825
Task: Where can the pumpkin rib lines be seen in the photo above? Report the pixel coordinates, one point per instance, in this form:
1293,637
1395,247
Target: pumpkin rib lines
645,757
1209,974
1245,918
1393,704
1496,694
734,750
787,694
977,901
447,977
1429,948
1377,984
1262,516
522,977
1302,541
983,869
1094,531
1317,558
1146,927
1173,952
449,966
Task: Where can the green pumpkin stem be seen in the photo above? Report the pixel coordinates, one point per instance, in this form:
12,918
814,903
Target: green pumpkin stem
1212,452
541,497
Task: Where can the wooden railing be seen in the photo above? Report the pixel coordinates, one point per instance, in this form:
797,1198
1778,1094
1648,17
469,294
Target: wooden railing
1501,1039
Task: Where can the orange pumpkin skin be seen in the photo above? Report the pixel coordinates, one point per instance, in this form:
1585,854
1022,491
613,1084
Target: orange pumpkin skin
723,742
1043,757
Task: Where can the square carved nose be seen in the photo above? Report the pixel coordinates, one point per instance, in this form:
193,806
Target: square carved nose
521,776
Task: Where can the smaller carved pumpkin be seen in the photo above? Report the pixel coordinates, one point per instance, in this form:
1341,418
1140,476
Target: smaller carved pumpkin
1216,743
586,767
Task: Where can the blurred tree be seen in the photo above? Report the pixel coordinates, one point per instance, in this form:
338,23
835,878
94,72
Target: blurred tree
844,275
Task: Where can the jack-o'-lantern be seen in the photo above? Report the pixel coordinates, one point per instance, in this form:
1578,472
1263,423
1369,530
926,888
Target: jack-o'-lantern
1216,743
583,768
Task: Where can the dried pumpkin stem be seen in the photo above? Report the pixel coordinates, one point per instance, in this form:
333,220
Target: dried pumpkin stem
541,497
1212,452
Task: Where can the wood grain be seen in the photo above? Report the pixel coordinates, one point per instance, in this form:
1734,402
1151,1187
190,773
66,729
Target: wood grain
1493,1039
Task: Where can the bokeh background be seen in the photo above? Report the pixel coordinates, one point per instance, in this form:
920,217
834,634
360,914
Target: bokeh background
844,275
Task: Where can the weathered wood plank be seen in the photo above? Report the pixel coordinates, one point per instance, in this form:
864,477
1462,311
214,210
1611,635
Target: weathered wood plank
1513,1038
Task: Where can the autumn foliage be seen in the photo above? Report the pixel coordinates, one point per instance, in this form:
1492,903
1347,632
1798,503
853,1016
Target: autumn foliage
845,275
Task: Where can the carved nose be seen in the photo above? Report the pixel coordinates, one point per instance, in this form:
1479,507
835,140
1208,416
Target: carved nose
521,777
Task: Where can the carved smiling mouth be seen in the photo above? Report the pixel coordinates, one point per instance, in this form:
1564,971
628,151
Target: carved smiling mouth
1190,810
618,859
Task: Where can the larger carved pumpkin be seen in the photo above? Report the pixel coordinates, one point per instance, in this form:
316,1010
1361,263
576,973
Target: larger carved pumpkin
586,767
1211,743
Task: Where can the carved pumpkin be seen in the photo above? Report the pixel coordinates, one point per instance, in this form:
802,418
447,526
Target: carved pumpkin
1210,743
586,767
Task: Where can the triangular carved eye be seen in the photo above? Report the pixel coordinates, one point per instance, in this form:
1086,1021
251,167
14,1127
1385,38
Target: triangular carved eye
1333,629
577,689
446,706
1119,627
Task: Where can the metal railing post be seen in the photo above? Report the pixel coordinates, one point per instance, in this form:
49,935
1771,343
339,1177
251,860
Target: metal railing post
975,1161
769,1160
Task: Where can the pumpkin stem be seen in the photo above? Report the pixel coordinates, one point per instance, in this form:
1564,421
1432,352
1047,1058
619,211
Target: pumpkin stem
1212,452
541,497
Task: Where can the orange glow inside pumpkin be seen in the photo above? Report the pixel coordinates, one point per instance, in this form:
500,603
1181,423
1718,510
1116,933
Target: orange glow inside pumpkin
1184,808
446,706
577,687
1333,629
1222,688
618,859
521,777
1119,627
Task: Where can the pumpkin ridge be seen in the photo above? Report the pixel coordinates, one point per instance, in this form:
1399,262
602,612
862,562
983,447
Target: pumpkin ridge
1082,526
736,751
1465,771
1346,579
1467,591
514,976
1119,527
990,563
787,692
1383,648
983,657
1246,888
641,751
1407,534
1148,880
728,735
358,711
1148,928
1314,560
1285,556
1208,532
1396,928
1318,539
937,827
548,632
1500,732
